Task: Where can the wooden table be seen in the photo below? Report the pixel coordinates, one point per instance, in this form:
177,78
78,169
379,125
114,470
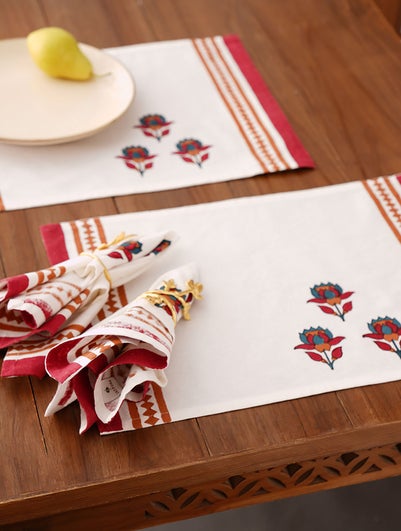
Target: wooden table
335,68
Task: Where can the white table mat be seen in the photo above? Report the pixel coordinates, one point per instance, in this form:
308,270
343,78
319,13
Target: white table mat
201,114
261,259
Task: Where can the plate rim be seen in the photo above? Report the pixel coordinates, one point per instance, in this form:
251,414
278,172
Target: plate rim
86,133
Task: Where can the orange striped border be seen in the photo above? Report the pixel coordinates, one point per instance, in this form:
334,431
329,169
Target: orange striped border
394,191
77,239
154,406
252,111
376,189
94,231
32,347
232,111
161,402
100,230
134,415
248,113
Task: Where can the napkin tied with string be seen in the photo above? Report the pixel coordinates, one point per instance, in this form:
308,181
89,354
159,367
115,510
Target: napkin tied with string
36,306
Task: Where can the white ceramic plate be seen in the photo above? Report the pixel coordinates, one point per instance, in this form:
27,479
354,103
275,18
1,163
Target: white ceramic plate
36,109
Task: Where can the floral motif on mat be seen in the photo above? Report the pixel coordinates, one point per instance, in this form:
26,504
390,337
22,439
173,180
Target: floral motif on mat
193,151
137,158
318,342
386,333
330,298
154,125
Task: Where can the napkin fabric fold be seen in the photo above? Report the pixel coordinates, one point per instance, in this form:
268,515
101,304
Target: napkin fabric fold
116,360
38,309
202,113
302,293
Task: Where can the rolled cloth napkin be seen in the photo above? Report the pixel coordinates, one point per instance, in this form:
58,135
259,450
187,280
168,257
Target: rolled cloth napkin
116,360
65,298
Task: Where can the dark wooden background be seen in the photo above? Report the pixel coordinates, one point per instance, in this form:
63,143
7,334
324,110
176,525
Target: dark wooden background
335,68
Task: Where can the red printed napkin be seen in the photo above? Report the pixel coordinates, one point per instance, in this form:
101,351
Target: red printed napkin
38,309
115,361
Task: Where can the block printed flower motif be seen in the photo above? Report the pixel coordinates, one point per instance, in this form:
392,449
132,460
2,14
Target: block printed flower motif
154,125
135,247
137,158
330,299
192,151
318,343
386,333
128,249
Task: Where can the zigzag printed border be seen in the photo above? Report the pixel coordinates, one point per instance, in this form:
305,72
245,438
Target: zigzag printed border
386,194
88,235
261,142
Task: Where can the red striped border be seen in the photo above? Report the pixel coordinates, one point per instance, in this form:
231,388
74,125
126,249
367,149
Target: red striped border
27,367
54,241
114,426
269,104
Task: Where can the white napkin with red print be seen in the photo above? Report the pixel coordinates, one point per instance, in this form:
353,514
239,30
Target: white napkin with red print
37,309
201,113
116,360
302,296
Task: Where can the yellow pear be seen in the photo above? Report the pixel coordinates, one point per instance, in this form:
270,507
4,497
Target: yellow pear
56,52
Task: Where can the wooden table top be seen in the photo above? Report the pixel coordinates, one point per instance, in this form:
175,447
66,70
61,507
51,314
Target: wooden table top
335,68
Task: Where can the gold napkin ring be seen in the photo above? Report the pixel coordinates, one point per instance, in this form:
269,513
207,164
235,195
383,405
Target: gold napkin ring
168,293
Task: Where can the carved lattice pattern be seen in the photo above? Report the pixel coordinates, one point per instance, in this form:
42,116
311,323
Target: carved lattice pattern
264,484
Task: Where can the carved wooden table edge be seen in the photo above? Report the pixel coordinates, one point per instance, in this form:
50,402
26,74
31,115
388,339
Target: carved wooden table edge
238,490
268,485
231,490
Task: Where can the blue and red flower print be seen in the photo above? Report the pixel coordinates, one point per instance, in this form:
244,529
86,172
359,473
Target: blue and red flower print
128,249
137,158
154,125
162,245
192,151
386,333
318,343
330,298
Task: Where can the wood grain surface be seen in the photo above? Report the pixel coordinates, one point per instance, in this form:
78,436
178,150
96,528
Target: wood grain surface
391,9
334,66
